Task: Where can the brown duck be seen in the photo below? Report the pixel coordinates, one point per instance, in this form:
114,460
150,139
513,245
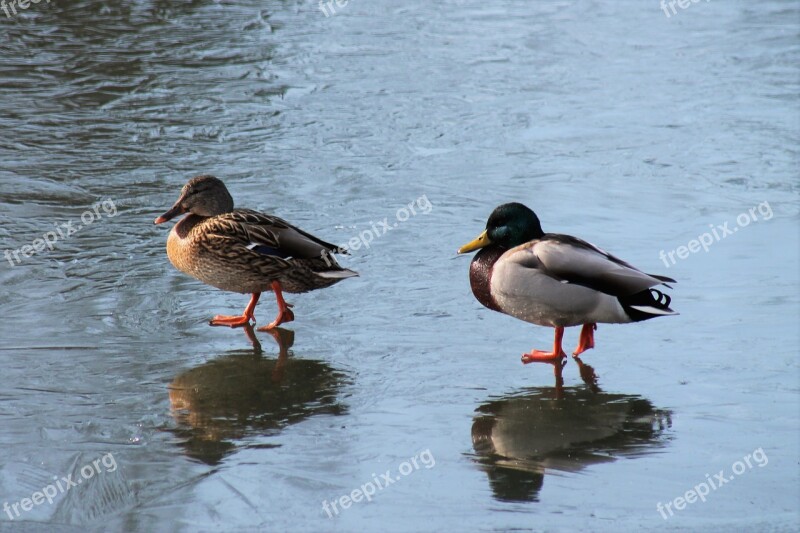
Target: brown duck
240,250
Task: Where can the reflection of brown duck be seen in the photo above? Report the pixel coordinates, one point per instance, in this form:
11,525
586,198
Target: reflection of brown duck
244,394
519,436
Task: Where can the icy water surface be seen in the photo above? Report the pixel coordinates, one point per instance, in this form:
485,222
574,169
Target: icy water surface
642,133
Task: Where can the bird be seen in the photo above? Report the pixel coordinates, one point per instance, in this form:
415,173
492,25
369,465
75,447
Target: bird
245,251
556,280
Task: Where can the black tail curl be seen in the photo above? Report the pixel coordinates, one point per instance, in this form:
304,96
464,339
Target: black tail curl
652,298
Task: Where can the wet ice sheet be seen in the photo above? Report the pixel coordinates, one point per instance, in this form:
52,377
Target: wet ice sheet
614,123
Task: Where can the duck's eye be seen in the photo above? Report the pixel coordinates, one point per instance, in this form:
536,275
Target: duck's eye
501,232
499,225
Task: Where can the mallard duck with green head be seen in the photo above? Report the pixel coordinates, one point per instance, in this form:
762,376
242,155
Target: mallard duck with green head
557,280
241,250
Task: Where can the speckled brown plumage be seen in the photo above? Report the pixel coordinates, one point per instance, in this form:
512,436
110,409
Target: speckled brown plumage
216,251
243,250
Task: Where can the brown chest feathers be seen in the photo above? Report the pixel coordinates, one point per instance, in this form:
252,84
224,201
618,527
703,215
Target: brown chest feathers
480,275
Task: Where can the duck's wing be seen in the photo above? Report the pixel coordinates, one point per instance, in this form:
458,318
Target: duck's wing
572,260
270,235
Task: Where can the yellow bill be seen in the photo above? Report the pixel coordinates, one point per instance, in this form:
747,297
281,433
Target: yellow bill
480,242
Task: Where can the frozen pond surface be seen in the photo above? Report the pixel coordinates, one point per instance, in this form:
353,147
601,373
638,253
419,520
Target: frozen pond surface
636,131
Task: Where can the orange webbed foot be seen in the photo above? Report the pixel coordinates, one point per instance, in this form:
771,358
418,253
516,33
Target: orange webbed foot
237,320
232,321
540,356
285,313
586,339
284,316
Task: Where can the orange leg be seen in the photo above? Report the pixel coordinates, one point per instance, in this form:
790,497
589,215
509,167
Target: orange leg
547,357
586,339
236,321
284,312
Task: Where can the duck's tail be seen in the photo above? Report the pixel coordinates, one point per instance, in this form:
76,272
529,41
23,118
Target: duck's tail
338,274
646,304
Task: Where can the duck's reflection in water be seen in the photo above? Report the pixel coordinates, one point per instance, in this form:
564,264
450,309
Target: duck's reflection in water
244,394
519,436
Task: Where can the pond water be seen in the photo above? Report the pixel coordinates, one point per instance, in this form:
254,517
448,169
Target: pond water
635,130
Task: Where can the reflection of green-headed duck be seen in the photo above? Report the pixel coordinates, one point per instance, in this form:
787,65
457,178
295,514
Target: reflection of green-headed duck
520,437
557,280
245,251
